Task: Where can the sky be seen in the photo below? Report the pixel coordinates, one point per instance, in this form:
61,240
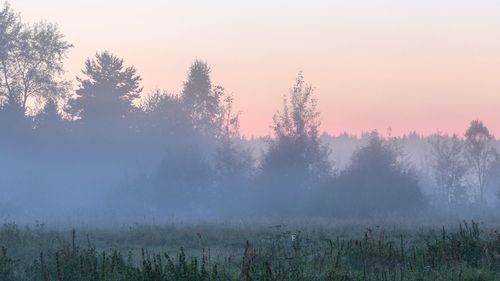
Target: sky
420,66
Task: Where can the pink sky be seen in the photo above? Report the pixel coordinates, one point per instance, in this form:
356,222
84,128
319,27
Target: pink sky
409,65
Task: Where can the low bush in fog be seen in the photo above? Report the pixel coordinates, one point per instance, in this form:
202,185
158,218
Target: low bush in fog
375,183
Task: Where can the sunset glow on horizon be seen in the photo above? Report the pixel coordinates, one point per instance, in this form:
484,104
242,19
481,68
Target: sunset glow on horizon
409,65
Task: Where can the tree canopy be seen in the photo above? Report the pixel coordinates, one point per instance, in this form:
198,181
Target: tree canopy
31,61
107,90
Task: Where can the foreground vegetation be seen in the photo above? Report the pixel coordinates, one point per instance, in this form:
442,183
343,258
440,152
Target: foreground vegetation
206,252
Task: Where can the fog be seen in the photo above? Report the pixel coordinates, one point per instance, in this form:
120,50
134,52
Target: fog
108,152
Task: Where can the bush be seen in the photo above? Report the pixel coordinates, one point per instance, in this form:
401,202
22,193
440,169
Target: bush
376,182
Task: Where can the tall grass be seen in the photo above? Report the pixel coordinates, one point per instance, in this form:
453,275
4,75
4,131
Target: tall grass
465,253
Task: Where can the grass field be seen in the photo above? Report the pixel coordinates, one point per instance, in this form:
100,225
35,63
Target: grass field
469,251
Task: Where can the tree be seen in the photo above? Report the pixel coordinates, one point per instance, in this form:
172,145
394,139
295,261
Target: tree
31,69
49,120
480,153
201,99
106,93
376,182
296,134
14,123
40,63
164,114
31,61
296,160
232,161
10,30
449,166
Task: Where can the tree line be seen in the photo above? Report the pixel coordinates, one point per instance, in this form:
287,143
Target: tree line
183,151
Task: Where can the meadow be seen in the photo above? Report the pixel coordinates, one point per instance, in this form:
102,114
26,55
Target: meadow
145,252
